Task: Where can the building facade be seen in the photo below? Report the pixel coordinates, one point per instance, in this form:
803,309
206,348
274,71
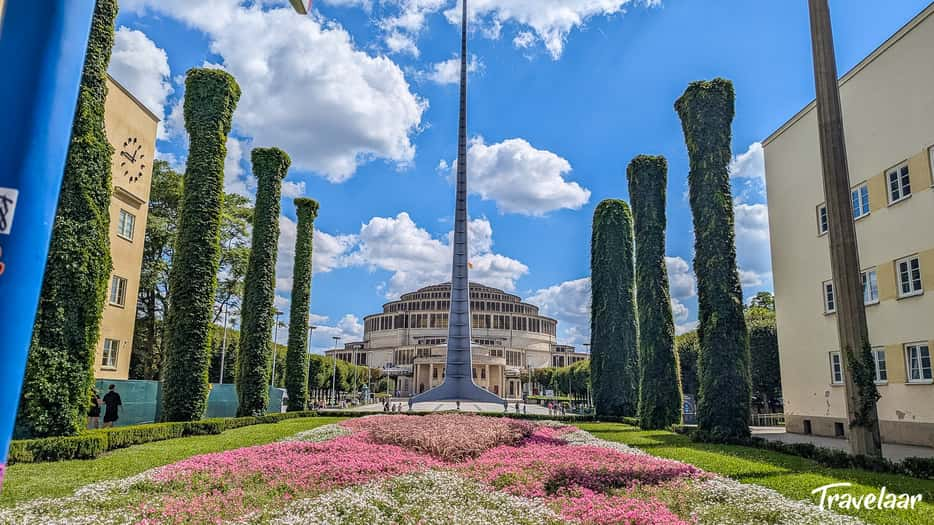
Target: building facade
888,111
131,130
409,340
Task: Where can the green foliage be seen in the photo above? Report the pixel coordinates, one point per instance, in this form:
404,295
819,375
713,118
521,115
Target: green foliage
58,378
706,111
688,348
270,165
861,365
236,221
165,198
660,382
320,372
210,98
764,300
763,353
296,379
572,380
614,357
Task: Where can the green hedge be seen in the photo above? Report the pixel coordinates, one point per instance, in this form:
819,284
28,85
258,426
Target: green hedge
296,358
916,467
614,356
211,96
93,443
660,381
254,361
58,379
706,110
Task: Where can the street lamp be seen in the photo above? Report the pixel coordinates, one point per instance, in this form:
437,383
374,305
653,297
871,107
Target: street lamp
224,344
275,349
311,331
337,340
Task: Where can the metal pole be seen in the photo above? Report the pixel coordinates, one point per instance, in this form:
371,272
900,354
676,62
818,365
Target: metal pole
275,350
311,331
334,371
224,345
852,328
43,48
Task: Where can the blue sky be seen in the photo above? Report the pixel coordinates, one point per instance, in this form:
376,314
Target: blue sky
563,93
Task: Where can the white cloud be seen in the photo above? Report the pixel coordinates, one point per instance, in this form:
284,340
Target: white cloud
681,280
306,87
569,303
236,178
747,171
449,71
520,178
546,21
416,259
349,328
143,68
326,255
293,190
752,246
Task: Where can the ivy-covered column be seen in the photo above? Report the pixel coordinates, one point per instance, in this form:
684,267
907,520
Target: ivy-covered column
211,96
270,165
660,384
296,358
59,372
706,111
614,362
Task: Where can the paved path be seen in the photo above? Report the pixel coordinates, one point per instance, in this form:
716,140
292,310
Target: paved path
450,406
889,450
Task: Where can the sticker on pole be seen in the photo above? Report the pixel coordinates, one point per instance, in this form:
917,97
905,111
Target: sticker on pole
8,198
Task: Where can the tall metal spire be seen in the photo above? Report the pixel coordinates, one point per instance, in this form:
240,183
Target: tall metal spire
458,382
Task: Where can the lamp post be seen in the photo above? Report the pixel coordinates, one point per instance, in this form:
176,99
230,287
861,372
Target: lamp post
589,395
275,349
337,340
224,344
311,331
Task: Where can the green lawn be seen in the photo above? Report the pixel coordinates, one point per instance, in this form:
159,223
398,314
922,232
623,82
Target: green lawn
34,480
792,476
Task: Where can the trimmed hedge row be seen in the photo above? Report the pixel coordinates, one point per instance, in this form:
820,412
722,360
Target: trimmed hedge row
916,467
93,443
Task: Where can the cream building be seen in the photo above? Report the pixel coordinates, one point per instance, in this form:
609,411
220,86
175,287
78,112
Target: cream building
131,129
409,340
888,110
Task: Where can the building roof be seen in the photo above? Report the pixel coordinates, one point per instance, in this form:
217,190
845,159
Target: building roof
907,28
134,99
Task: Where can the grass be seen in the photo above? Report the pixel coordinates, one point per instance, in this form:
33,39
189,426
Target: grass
52,480
792,476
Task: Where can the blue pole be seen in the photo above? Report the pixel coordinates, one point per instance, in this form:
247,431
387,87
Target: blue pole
42,48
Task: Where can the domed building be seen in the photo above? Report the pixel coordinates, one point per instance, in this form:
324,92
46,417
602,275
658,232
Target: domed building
408,340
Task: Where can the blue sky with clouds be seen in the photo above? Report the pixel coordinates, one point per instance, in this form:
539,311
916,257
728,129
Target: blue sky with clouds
563,94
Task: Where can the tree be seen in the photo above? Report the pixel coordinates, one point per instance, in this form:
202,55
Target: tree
852,328
236,221
614,357
763,300
165,198
763,352
211,96
688,351
659,384
270,165
297,357
57,383
706,111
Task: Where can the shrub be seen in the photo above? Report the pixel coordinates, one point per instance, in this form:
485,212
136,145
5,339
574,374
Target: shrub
659,384
296,359
122,437
210,98
614,356
58,379
706,111
270,166
58,448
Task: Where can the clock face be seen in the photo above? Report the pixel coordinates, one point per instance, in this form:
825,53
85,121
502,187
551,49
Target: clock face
132,159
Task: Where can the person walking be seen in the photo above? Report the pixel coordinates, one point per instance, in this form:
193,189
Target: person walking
113,402
94,411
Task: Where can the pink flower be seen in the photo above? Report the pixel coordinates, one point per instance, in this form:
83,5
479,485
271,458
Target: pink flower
600,509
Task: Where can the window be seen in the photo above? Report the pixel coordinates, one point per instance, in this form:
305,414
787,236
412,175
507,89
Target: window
909,276
111,351
836,368
870,287
918,359
823,225
118,291
878,359
860,201
830,303
126,225
899,183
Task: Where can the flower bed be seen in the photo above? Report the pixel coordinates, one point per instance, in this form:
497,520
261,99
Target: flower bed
439,469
